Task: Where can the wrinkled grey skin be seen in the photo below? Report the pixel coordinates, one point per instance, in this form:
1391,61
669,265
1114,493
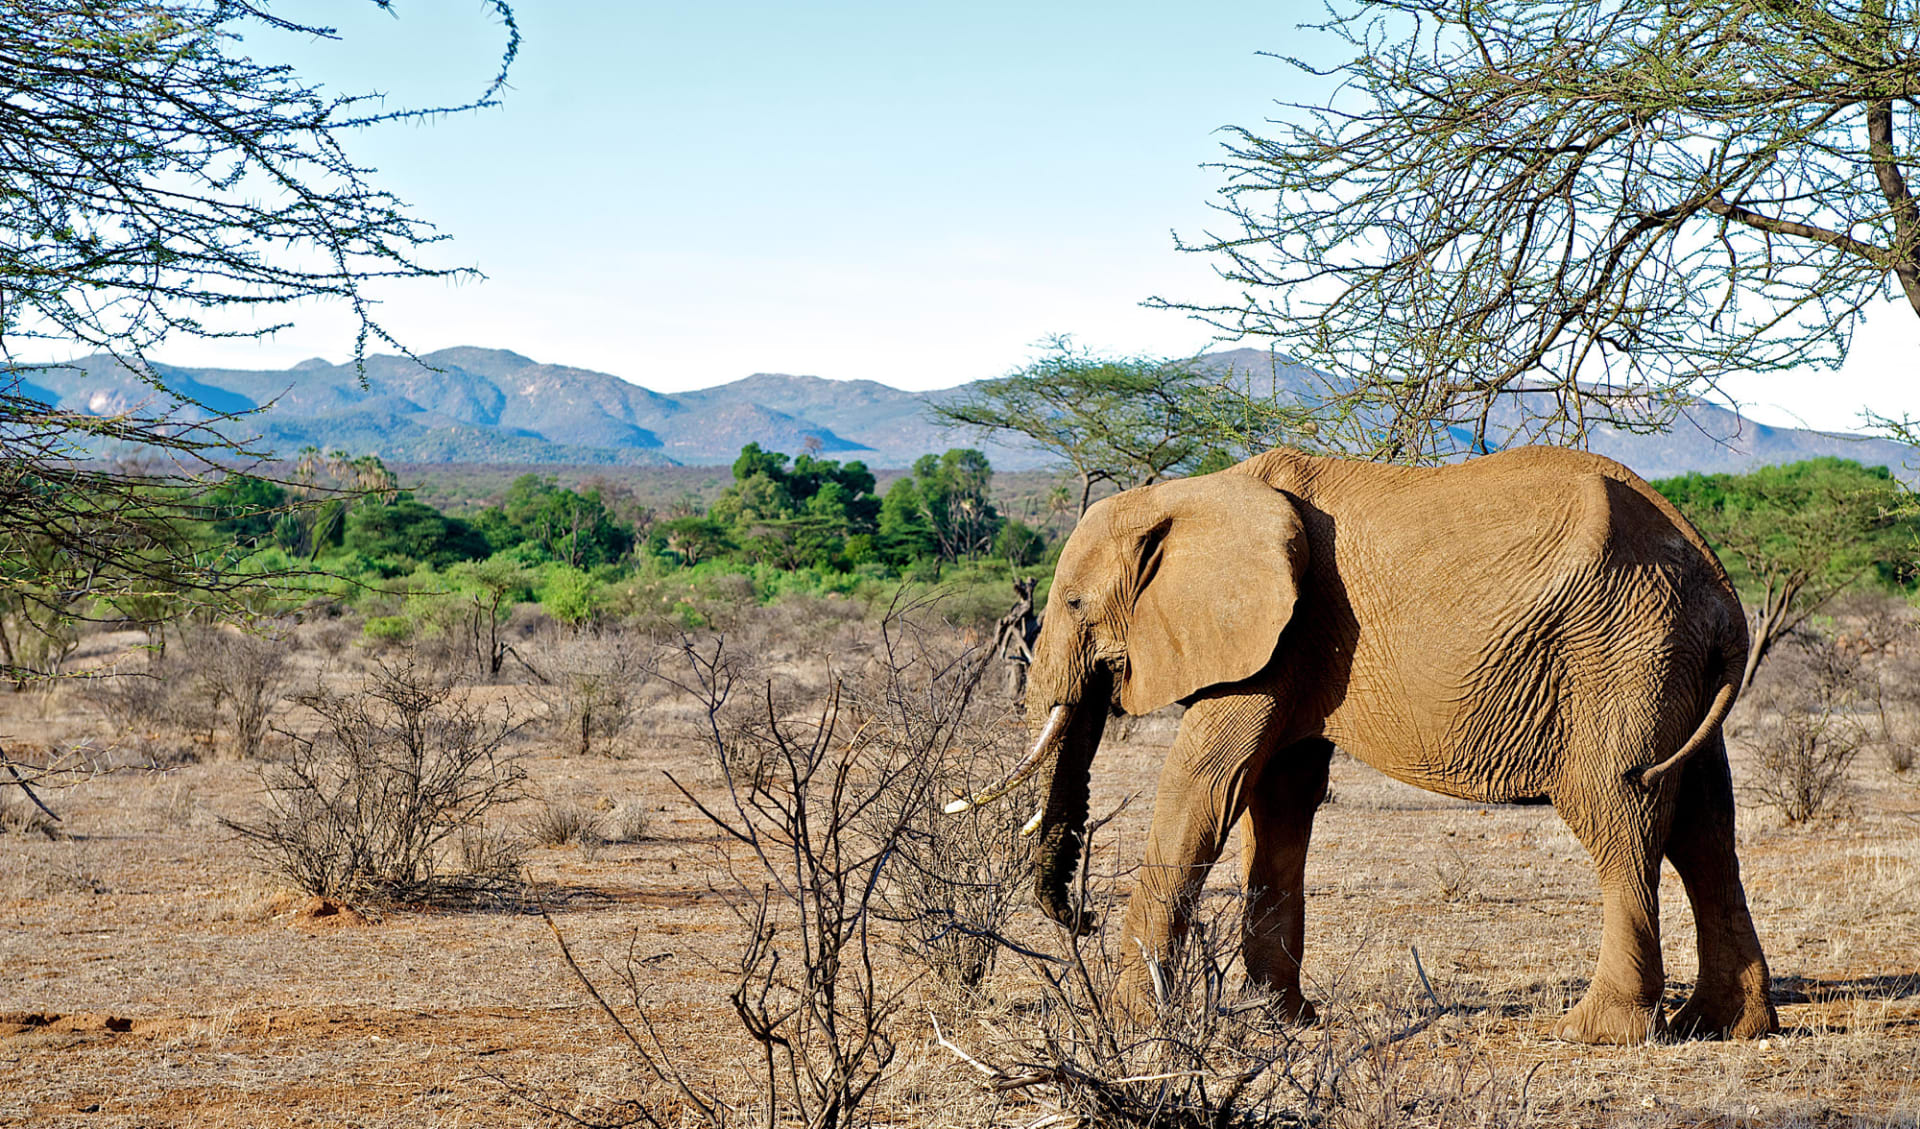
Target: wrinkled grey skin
1536,625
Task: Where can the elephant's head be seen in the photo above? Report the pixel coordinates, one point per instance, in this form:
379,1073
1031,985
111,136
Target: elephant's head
1161,592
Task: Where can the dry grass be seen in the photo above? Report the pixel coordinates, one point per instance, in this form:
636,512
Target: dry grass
155,977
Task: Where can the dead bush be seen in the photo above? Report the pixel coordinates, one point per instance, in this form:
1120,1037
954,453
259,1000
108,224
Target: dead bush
19,816
132,701
29,775
1817,694
332,636
225,678
958,878
627,822
1211,1053
362,809
558,824
592,693
1803,762
809,818
253,669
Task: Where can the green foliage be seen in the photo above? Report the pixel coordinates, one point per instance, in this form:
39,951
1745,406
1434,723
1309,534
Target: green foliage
388,628
942,511
245,509
800,526
1019,544
556,524
409,532
791,517
692,539
1128,421
569,595
1829,523
1795,536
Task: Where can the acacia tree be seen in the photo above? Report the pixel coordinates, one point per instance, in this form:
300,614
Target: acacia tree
1796,536
1520,218
153,180
1128,421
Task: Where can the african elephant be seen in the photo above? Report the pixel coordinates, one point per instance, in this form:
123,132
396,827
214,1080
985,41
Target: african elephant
1532,626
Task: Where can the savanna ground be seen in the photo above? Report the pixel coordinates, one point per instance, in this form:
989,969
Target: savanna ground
152,972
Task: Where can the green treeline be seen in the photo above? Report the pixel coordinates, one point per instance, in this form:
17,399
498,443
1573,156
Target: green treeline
784,524
1791,537
1825,524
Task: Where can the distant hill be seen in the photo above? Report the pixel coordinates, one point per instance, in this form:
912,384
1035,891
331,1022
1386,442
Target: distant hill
471,405
1706,438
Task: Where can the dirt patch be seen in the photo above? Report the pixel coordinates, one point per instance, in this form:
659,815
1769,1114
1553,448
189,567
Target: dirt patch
325,913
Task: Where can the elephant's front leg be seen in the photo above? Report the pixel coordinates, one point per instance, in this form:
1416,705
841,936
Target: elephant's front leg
1221,748
1279,824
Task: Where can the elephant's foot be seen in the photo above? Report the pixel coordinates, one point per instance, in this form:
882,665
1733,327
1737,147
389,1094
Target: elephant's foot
1134,999
1732,1011
1287,1000
1295,1007
1602,1018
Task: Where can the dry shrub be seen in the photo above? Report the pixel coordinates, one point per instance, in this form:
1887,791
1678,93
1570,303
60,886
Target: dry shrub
830,825
558,824
252,671
20,816
957,878
31,778
1802,755
363,809
1211,1054
216,678
626,822
332,636
593,690
132,701
802,624
1891,641
814,811
1803,763
1456,877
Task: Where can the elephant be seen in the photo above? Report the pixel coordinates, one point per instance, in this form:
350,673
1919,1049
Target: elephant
1532,626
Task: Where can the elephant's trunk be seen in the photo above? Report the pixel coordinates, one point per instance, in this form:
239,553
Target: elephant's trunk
1063,820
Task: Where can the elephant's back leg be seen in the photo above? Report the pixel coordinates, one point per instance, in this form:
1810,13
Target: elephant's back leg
1623,828
1730,997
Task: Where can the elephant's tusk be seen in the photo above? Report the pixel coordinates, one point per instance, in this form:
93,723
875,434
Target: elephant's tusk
1042,746
1030,826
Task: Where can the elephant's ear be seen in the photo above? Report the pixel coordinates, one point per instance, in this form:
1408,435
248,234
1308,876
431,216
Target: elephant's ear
1219,573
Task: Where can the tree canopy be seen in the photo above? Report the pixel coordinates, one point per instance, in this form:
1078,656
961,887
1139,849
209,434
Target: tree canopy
157,182
1793,537
1128,421
1522,218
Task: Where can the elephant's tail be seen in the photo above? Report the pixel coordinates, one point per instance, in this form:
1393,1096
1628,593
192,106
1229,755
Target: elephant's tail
1709,725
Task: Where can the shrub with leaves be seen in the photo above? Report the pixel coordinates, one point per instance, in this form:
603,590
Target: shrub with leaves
369,806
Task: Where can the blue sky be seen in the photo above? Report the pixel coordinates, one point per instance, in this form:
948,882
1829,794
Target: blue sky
683,194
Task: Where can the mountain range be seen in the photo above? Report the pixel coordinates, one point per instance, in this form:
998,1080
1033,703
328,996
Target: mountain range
469,404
